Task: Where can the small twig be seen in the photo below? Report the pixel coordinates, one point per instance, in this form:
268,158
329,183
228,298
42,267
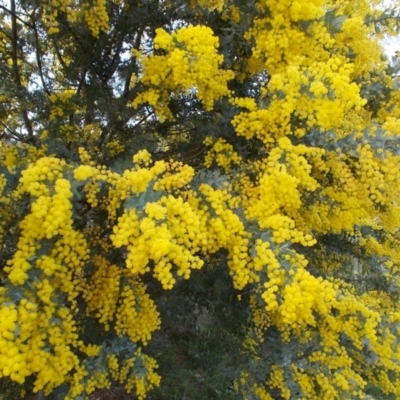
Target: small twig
193,153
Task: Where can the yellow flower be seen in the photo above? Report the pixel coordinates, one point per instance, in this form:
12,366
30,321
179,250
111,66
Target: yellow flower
155,211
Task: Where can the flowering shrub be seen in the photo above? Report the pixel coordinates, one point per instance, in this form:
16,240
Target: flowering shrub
223,172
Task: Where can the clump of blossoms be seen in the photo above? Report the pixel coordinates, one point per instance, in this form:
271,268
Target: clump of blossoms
191,62
41,318
170,244
48,273
222,153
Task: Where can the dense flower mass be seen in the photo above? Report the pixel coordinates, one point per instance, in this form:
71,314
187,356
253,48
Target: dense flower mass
191,63
227,161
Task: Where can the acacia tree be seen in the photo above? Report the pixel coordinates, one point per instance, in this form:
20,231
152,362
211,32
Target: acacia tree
210,172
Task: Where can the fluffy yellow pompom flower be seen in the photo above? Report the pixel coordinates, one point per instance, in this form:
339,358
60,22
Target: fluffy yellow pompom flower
155,211
142,156
83,172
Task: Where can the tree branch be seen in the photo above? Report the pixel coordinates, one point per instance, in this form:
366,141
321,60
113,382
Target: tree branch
129,77
39,57
59,56
6,34
81,81
78,90
17,76
108,131
13,14
12,133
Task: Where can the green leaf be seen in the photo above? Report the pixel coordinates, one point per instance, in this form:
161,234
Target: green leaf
139,202
334,23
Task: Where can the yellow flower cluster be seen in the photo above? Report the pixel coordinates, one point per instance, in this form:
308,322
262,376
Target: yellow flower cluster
358,187
99,379
17,155
23,336
292,298
340,213
102,292
226,230
63,96
60,103
96,17
5,213
123,373
144,383
70,132
283,230
84,156
50,215
34,179
314,107
209,4
261,393
355,35
390,108
91,350
176,176
223,155
327,389
341,379
137,180
9,157
155,97
3,183
171,243
303,297
115,147
136,314
243,102
191,63
265,259
311,76
305,382
99,175
77,382
277,381
260,318
83,172
278,195
235,14
52,9
142,157
40,321
361,325
370,175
